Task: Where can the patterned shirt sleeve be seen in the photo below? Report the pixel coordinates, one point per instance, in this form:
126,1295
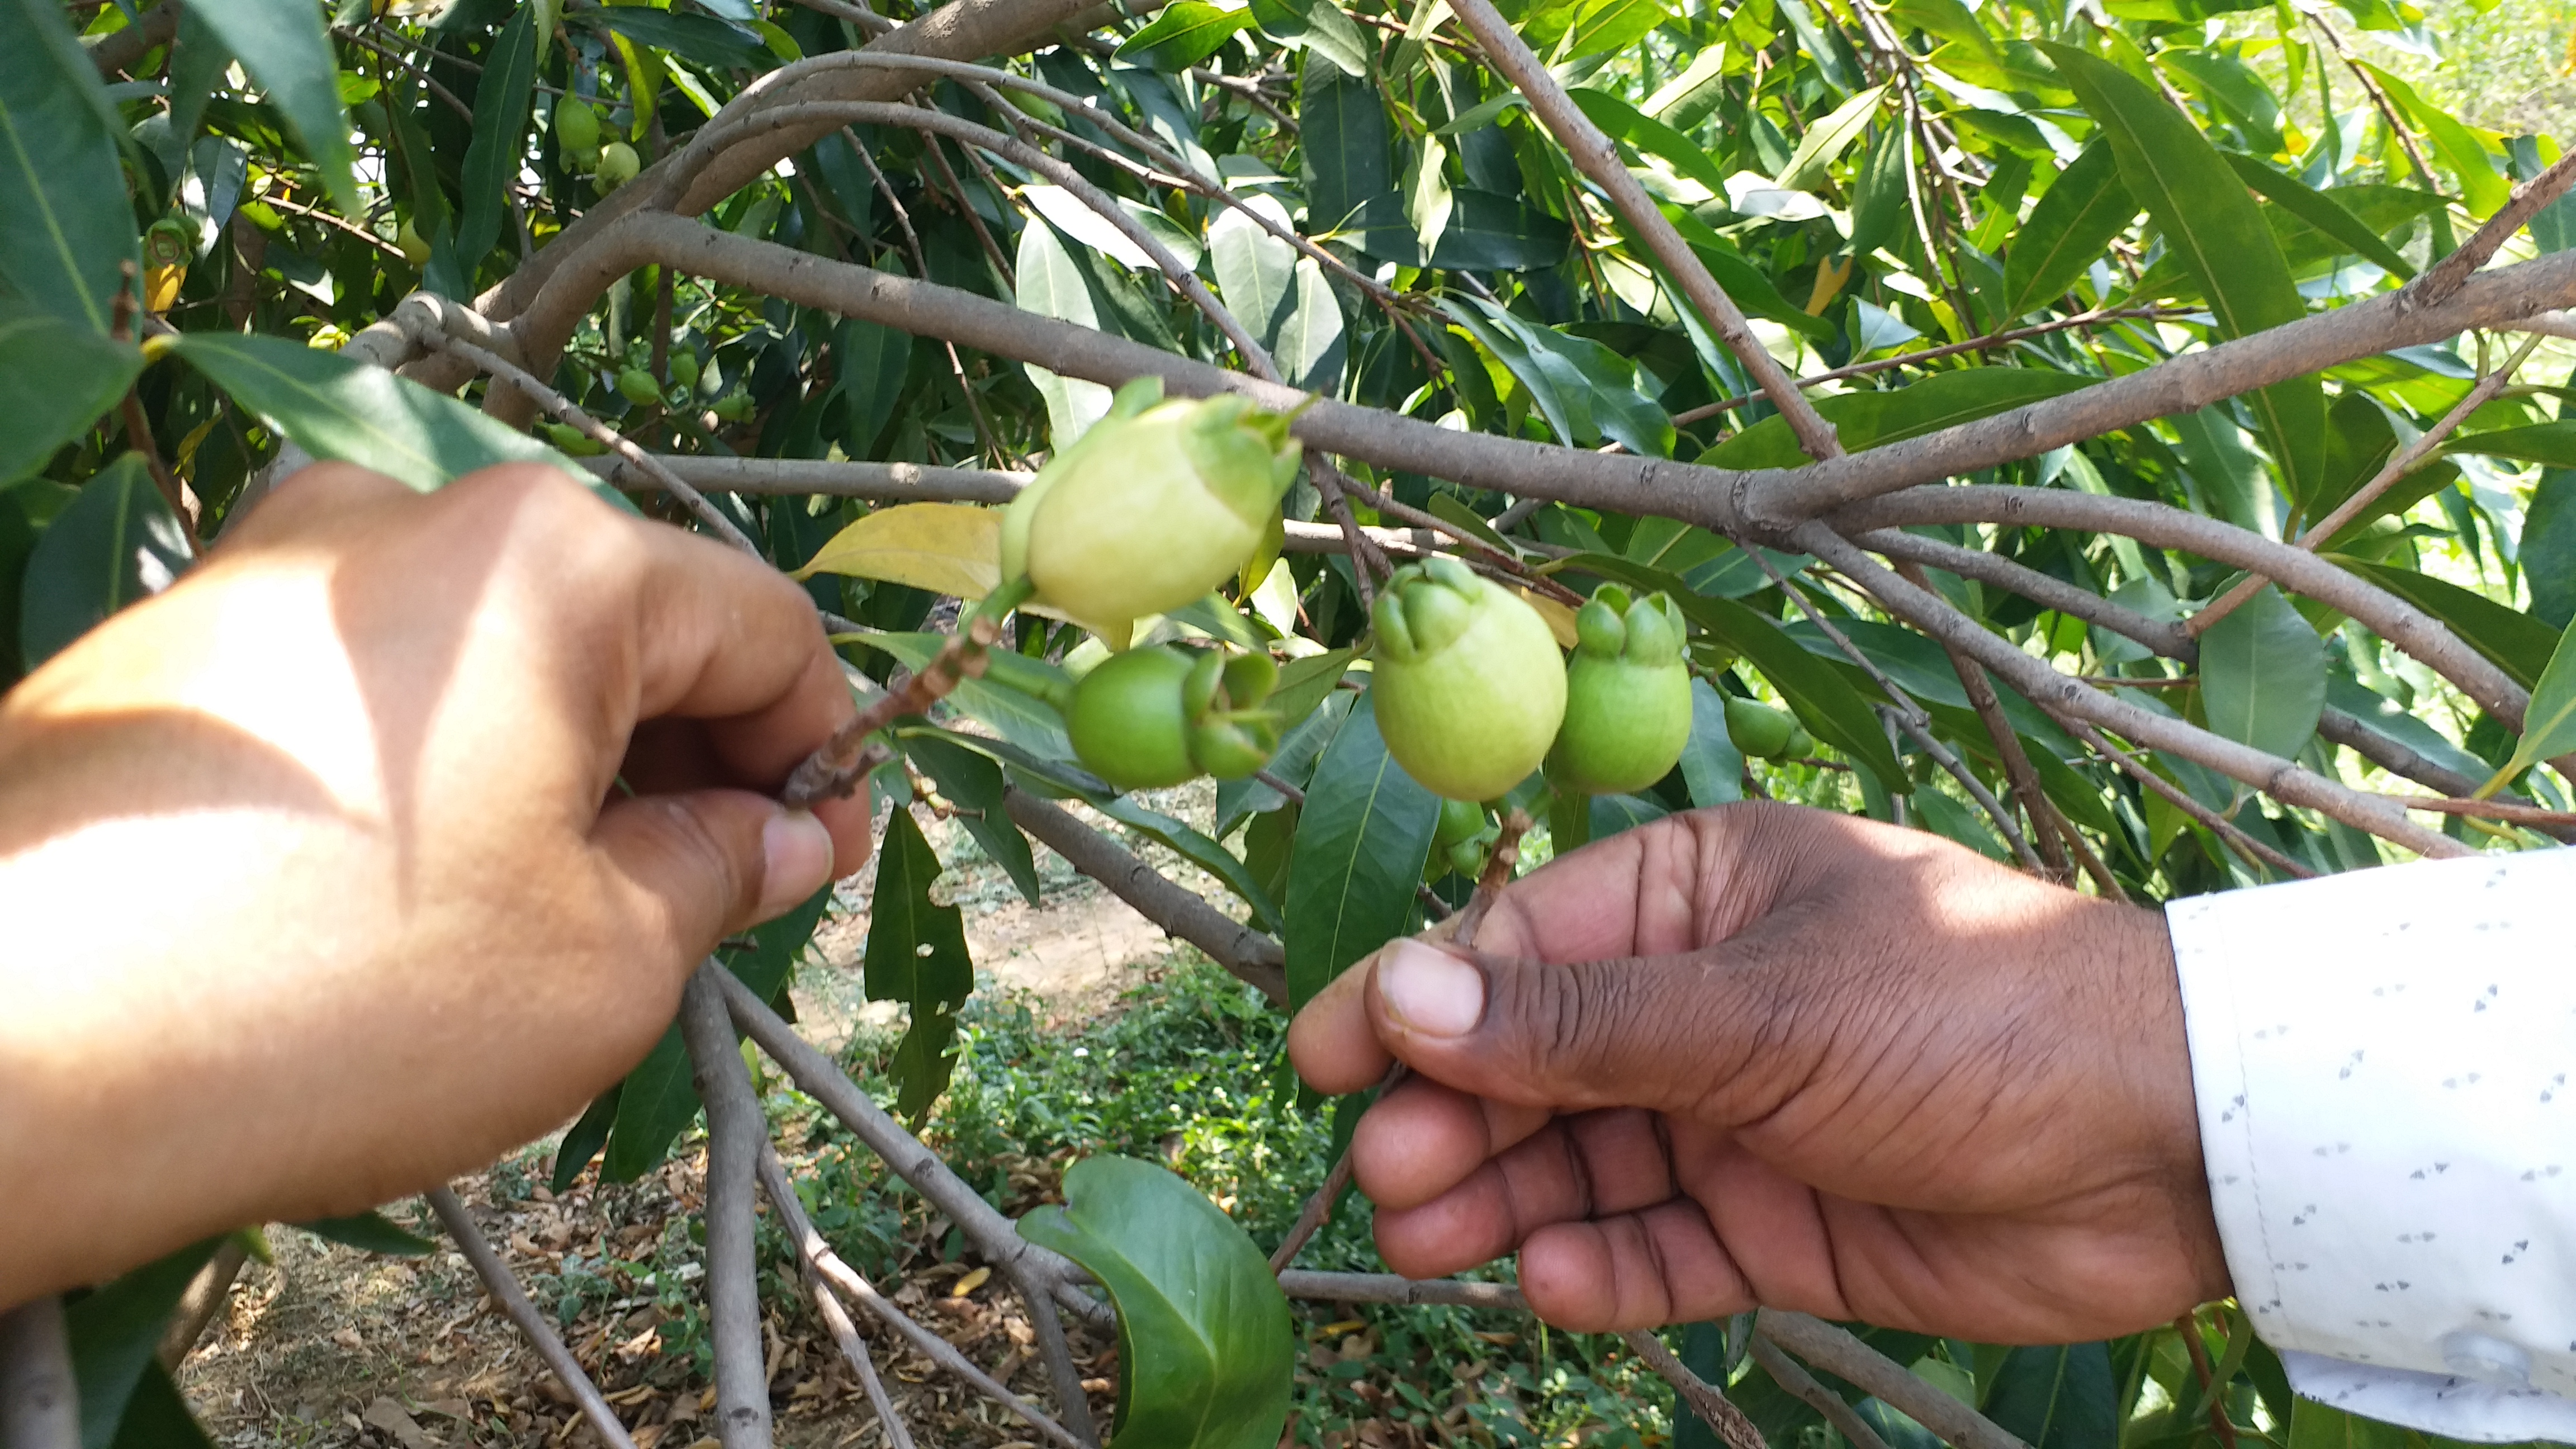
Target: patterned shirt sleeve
2382,1063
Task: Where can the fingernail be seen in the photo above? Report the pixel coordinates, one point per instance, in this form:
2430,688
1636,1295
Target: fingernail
1429,990
795,860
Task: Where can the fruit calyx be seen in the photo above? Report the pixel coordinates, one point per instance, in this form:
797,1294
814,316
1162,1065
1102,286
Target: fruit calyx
1162,715
1628,704
1468,683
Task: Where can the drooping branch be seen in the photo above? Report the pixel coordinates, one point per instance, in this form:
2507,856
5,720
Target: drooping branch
735,1130
2164,526
983,1224
513,1299
1247,953
819,1258
39,1403
2282,779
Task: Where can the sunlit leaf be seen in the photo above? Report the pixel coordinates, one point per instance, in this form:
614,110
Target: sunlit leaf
285,47
2263,675
65,226
1362,837
945,548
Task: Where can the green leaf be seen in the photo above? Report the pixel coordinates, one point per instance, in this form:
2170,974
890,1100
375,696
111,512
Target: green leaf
1344,143
1872,419
2484,187
2232,89
1602,26
1256,272
1618,118
284,46
2550,444
1052,286
582,1140
2513,641
2214,227
2073,222
700,38
2058,1397
1187,32
157,1416
116,543
114,1332
916,954
1318,26
2547,550
2394,720
1712,767
654,1103
973,782
64,223
2263,675
1030,724
1362,837
492,161
370,1232
1828,138
1205,1344
2549,726
873,363
58,376
335,407
2322,210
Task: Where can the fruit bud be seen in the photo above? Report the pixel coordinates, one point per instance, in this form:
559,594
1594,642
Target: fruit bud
684,370
639,387
1762,732
576,127
1627,695
1159,716
1157,504
1468,684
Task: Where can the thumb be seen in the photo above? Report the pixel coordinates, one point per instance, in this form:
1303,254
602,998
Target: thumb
1659,1032
708,862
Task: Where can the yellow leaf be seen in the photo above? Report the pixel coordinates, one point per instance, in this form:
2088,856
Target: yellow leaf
970,1282
161,288
1560,619
946,548
1829,284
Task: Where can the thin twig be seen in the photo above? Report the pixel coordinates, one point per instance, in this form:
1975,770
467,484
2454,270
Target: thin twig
506,371
39,1403
838,765
1389,507
1991,340
1598,158
818,1255
2020,776
2228,830
836,1319
1842,1354
1253,957
1703,1397
1941,755
735,1130
2188,1326
2512,811
505,1290
2404,461
858,15
2445,276
1072,1401
1790,1374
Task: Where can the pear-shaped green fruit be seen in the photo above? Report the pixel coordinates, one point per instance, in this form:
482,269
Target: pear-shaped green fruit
1459,820
1627,696
684,370
573,441
1759,730
1158,504
618,164
733,407
1154,717
408,239
576,127
1468,683
639,387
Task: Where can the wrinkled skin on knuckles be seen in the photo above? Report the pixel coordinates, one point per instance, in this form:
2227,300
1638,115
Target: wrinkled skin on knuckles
1627,696
1469,686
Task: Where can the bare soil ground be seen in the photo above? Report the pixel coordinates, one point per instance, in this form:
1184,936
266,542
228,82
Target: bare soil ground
329,1346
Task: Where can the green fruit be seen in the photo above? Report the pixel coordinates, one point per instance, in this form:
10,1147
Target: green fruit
617,166
733,407
1468,683
1158,504
576,127
684,370
639,387
1759,730
407,237
1154,717
573,441
1466,858
1460,820
1627,696
1801,744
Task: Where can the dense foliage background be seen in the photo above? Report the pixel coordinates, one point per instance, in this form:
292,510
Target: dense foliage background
222,222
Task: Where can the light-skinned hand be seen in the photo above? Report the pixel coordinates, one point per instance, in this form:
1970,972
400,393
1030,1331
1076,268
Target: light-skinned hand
318,882
1764,1055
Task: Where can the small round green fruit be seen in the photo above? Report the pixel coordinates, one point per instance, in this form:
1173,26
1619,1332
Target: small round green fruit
618,164
639,387
684,370
1469,686
1757,729
1627,696
1154,717
1459,820
576,127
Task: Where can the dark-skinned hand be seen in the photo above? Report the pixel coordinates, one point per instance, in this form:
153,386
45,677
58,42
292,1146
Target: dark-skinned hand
1764,1055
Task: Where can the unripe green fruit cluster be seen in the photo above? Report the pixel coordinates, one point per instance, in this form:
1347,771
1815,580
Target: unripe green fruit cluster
1468,685
1458,842
1157,504
1627,695
1765,733
1162,715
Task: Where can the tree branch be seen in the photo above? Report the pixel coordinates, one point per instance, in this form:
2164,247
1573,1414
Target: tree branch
2046,590
735,1130
39,1403
1789,1374
1702,1397
505,1291
1976,788
116,50
2445,276
2227,830
1247,953
836,1319
1839,1353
